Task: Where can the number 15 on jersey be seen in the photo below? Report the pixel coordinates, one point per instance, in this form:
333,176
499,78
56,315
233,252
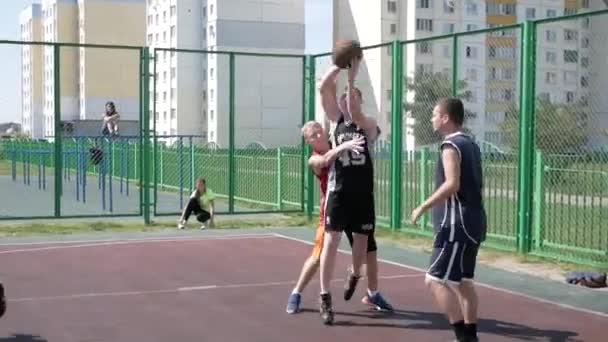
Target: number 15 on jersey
348,158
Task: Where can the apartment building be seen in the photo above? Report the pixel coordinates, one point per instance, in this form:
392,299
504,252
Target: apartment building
60,24
110,74
488,63
32,89
179,76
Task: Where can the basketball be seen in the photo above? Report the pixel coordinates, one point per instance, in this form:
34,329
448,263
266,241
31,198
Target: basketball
345,51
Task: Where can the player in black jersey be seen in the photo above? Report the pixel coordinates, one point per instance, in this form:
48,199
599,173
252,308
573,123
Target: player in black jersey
350,190
459,218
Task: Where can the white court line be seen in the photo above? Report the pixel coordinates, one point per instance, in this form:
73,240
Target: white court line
116,242
180,289
150,238
542,300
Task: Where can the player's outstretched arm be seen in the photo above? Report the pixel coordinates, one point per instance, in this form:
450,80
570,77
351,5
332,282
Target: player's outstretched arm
318,162
327,90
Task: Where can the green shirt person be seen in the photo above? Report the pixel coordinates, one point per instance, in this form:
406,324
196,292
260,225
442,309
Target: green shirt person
202,204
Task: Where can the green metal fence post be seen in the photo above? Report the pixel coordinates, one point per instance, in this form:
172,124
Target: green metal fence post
455,65
396,135
310,115
279,179
302,144
146,134
424,182
526,138
58,132
155,141
539,198
231,140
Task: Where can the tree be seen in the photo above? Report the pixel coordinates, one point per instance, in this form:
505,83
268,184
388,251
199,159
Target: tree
558,129
428,88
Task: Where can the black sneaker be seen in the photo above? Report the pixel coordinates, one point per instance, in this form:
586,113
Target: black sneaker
2,301
327,313
350,285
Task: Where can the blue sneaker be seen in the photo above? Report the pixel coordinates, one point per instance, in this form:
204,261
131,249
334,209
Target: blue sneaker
378,302
293,303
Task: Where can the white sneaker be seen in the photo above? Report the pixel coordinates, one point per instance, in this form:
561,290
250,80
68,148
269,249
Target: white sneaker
181,224
204,226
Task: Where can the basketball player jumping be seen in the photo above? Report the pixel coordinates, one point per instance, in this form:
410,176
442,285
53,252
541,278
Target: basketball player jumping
350,192
322,157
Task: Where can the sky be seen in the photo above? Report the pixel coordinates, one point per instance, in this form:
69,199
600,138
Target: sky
318,39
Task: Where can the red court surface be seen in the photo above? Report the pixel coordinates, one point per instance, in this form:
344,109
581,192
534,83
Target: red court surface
234,288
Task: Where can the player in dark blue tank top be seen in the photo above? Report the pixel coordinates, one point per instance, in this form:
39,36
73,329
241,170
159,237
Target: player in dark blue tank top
462,216
459,218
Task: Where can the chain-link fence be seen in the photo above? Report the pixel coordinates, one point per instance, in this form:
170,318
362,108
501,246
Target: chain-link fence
570,138
83,160
232,119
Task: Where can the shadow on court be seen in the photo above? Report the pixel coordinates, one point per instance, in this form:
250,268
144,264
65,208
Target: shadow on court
421,320
23,338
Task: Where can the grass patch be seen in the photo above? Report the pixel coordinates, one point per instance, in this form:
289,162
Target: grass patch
36,228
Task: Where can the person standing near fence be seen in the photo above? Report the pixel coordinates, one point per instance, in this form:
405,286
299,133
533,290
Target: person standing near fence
459,218
202,204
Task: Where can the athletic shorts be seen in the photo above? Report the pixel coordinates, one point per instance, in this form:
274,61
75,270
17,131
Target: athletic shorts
350,213
320,238
453,262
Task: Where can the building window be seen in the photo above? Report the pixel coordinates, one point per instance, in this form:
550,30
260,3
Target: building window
569,97
471,27
423,3
551,57
585,42
447,8
172,32
551,13
570,35
471,52
211,115
550,36
550,78
472,74
585,3
471,8
392,6
211,10
173,114
570,76
570,11
570,56
424,48
584,81
584,62
585,23
393,28
424,25
530,13
211,74
173,10
447,51
448,28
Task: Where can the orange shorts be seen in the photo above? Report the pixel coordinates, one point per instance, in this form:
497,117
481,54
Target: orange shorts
318,247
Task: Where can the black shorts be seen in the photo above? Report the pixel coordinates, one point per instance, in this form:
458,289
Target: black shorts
371,241
353,213
453,261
